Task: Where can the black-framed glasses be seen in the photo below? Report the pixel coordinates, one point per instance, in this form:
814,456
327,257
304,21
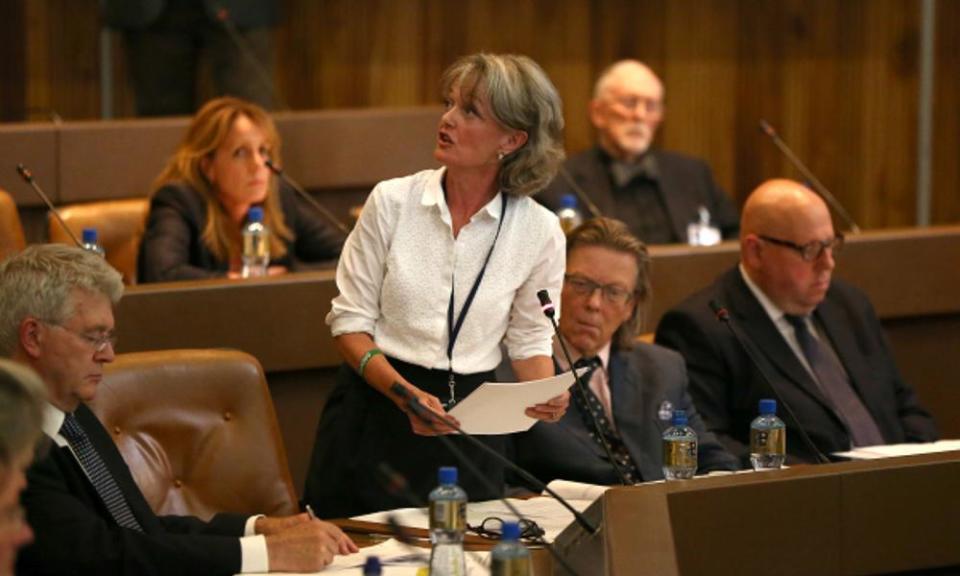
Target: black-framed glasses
811,250
612,293
492,528
99,342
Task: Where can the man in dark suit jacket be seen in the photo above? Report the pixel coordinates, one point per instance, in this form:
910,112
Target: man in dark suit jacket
638,385
818,338
87,513
657,193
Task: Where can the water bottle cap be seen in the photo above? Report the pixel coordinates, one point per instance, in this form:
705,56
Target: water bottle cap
768,406
447,475
89,235
568,201
255,214
372,565
679,417
511,531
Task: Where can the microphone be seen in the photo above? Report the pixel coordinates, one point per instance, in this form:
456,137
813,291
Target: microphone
550,312
431,418
223,16
27,176
310,200
723,316
820,189
579,191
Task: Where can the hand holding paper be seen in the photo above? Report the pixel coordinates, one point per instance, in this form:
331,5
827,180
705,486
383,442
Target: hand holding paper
499,407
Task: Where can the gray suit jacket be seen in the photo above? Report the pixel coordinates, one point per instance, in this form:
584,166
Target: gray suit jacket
641,380
685,184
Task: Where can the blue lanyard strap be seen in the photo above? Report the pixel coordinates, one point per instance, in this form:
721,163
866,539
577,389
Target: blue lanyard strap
453,329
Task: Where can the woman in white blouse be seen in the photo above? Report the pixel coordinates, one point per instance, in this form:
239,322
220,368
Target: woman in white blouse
442,267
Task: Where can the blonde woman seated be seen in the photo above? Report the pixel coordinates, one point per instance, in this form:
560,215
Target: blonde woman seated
201,199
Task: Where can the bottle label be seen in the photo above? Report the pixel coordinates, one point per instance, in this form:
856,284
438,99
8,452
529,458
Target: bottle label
448,515
772,441
510,567
680,453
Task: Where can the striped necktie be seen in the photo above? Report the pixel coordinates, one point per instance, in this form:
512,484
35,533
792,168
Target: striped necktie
103,482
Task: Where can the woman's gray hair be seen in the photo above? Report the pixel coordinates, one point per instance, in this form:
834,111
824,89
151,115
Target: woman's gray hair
21,411
521,97
39,282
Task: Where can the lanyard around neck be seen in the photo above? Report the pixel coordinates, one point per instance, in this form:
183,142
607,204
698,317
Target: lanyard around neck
453,328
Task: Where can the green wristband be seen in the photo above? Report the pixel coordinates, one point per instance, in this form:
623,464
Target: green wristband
366,359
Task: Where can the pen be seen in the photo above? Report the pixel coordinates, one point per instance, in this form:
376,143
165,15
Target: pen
310,512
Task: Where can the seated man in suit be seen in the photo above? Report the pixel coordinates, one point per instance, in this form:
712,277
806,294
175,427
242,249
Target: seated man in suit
818,338
88,515
657,193
21,410
636,386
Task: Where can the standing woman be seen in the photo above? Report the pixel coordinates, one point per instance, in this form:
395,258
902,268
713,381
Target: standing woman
201,200
442,266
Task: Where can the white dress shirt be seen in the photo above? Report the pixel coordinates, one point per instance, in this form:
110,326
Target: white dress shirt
253,547
400,261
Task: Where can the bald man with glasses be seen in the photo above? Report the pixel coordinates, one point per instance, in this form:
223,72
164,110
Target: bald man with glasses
818,338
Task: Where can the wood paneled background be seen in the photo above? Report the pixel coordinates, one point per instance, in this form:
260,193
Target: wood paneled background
838,78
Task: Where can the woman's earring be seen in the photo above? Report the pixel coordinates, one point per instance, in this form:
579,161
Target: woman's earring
501,155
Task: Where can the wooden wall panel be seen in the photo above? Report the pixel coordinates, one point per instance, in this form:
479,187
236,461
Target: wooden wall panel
946,135
839,80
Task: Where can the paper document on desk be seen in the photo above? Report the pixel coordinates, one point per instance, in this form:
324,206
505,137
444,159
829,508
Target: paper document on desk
891,450
498,407
399,560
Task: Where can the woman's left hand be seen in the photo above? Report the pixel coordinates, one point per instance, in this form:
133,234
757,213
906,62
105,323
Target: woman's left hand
551,410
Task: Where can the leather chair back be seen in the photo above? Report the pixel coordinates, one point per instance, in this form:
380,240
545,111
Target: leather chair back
11,230
119,225
198,430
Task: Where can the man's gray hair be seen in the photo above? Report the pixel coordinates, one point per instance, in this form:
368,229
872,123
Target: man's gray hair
613,72
39,280
521,97
21,409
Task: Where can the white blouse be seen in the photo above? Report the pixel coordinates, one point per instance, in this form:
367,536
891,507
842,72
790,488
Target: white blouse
400,261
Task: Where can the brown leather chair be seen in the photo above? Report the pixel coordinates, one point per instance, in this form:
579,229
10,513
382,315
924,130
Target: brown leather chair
11,231
119,225
198,430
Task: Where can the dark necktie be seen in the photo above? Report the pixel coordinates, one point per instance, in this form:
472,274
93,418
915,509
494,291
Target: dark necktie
835,385
103,482
588,404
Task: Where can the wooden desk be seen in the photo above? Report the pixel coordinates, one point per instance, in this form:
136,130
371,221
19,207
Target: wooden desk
868,517
911,275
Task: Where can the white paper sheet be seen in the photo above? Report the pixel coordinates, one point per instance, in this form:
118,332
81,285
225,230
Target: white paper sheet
498,407
399,560
891,450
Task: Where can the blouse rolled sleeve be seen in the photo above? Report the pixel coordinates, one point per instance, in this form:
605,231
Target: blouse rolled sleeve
529,332
361,269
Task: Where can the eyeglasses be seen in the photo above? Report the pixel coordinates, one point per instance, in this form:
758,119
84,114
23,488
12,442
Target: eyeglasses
612,293
811,250
492,528
99,342
649,105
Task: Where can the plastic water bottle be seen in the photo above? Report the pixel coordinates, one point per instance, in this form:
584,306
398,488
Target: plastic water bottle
679,449
768,438
509,556
372,567
91,242
448,522
702,232
256,244
569,213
